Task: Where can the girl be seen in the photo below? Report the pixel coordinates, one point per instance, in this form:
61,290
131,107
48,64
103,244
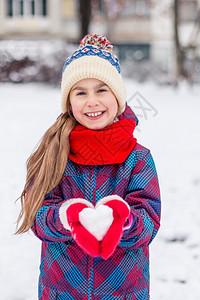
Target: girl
92,193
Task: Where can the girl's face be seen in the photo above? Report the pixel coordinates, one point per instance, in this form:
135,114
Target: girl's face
93,103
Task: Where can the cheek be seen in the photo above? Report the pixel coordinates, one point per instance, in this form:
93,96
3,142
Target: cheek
113,106
76,110
74,105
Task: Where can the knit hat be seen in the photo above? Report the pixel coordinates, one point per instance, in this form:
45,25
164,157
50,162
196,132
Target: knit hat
93,59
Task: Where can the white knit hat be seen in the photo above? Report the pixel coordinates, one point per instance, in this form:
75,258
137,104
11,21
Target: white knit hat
93,59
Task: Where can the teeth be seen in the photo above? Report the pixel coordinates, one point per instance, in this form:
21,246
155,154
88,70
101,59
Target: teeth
94,114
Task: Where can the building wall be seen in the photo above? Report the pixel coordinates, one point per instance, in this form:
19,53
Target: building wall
138,20
60,19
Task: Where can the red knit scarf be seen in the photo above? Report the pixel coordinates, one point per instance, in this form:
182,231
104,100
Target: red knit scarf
110,145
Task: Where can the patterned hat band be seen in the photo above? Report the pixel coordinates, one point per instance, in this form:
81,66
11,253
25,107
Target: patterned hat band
93,60
91,50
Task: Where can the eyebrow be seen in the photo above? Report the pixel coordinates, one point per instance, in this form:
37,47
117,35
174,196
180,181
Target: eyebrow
81,88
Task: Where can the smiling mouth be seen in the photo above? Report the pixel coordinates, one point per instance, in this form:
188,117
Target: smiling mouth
95,114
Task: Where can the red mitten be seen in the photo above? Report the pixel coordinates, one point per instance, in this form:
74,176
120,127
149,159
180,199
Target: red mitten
121,211
82,236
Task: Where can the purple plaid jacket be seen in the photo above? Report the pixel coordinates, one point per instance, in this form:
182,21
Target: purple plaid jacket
66,272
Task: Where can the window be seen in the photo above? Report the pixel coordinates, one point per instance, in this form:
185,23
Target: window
136,8
32,7
10,8
21,7
27,8
44,7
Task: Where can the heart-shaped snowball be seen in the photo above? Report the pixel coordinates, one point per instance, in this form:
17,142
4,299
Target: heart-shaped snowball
97,220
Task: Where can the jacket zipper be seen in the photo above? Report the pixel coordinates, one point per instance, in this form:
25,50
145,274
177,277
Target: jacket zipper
91,278
91,265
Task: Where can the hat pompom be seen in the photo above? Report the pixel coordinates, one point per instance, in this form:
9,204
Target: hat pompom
99,41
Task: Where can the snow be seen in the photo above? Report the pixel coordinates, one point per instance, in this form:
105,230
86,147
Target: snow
169,126
97,220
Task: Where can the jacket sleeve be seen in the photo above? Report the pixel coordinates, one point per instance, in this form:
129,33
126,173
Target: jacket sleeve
47,225
143,196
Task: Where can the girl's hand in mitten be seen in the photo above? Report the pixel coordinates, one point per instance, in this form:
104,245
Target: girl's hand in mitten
69,215
121,212
97,230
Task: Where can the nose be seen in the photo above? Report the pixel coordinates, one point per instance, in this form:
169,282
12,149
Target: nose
92,101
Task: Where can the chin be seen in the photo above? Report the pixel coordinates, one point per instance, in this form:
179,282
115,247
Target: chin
95,127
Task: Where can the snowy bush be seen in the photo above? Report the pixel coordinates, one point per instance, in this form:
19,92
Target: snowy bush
33,61
145,70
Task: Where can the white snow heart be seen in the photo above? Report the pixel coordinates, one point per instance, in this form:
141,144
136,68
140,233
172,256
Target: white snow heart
97,220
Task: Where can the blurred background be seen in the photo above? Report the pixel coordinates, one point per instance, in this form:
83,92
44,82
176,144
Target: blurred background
158,43
155,40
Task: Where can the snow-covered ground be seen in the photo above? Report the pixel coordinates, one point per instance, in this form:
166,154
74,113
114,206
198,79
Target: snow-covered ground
169,126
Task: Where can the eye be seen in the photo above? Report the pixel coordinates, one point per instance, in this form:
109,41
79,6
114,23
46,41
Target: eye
101,90
80,94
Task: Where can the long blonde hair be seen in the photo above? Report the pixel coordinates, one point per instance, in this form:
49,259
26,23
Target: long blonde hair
45,168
